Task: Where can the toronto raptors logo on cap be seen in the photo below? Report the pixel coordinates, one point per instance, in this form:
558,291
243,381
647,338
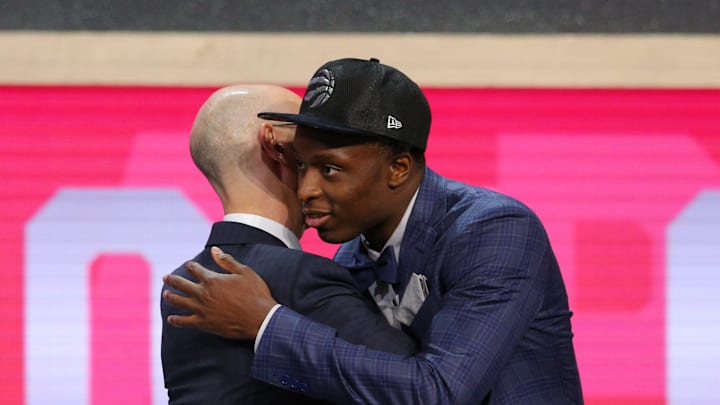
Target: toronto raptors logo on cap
320,88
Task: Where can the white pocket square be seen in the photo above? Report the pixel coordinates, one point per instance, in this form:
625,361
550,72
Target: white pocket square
412,299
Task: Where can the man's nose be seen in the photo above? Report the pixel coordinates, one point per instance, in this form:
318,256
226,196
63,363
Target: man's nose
308,186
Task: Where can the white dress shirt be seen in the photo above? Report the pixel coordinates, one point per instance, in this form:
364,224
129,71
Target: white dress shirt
274,228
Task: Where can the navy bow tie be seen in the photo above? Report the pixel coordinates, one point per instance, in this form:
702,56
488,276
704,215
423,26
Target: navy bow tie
366,271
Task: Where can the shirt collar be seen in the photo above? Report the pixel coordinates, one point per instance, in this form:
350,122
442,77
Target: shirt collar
396,238
274,228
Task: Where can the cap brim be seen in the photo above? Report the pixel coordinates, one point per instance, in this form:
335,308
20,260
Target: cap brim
313,122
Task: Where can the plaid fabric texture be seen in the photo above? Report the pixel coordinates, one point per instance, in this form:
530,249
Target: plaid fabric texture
494,330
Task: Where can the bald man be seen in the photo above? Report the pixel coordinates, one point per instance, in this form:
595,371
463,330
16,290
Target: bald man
248,163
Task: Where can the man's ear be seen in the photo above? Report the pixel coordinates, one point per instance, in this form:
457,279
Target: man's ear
271,145
400,168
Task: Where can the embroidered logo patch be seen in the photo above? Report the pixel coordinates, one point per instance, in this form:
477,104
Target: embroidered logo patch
320,88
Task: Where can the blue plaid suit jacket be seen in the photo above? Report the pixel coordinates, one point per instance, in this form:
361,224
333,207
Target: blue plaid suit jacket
495,328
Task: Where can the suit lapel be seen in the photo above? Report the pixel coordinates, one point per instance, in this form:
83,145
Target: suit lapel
416,254
420,234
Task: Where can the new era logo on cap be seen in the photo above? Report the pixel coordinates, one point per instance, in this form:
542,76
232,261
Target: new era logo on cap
393,123
363,97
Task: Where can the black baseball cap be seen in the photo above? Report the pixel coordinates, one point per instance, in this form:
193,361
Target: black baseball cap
363,97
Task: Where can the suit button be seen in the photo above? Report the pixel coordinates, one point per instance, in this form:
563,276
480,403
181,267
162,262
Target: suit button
295,384
285,379
302,387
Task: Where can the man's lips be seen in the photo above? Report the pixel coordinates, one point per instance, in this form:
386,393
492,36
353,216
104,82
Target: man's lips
315,219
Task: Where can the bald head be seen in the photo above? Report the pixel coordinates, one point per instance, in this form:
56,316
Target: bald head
224,137
242,155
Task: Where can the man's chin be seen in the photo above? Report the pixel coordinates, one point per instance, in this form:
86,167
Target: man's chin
336,238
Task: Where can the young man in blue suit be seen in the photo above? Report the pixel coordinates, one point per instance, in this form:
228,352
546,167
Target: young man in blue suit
245,160
468,271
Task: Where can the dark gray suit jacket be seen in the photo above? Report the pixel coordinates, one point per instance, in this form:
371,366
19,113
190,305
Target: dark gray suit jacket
201,368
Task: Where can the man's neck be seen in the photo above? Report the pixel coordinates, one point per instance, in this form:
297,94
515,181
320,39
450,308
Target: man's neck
395,239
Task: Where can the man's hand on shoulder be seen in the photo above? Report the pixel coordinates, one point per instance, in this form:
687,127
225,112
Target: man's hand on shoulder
231,305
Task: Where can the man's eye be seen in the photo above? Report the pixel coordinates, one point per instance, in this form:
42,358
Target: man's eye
328,170
300,164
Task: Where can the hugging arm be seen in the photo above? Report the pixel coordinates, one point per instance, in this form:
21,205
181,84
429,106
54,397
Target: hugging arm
495,275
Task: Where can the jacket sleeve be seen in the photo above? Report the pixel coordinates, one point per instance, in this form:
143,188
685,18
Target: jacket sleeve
494,271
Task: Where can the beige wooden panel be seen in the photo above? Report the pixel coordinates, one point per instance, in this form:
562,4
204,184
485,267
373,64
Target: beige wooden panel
145,58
